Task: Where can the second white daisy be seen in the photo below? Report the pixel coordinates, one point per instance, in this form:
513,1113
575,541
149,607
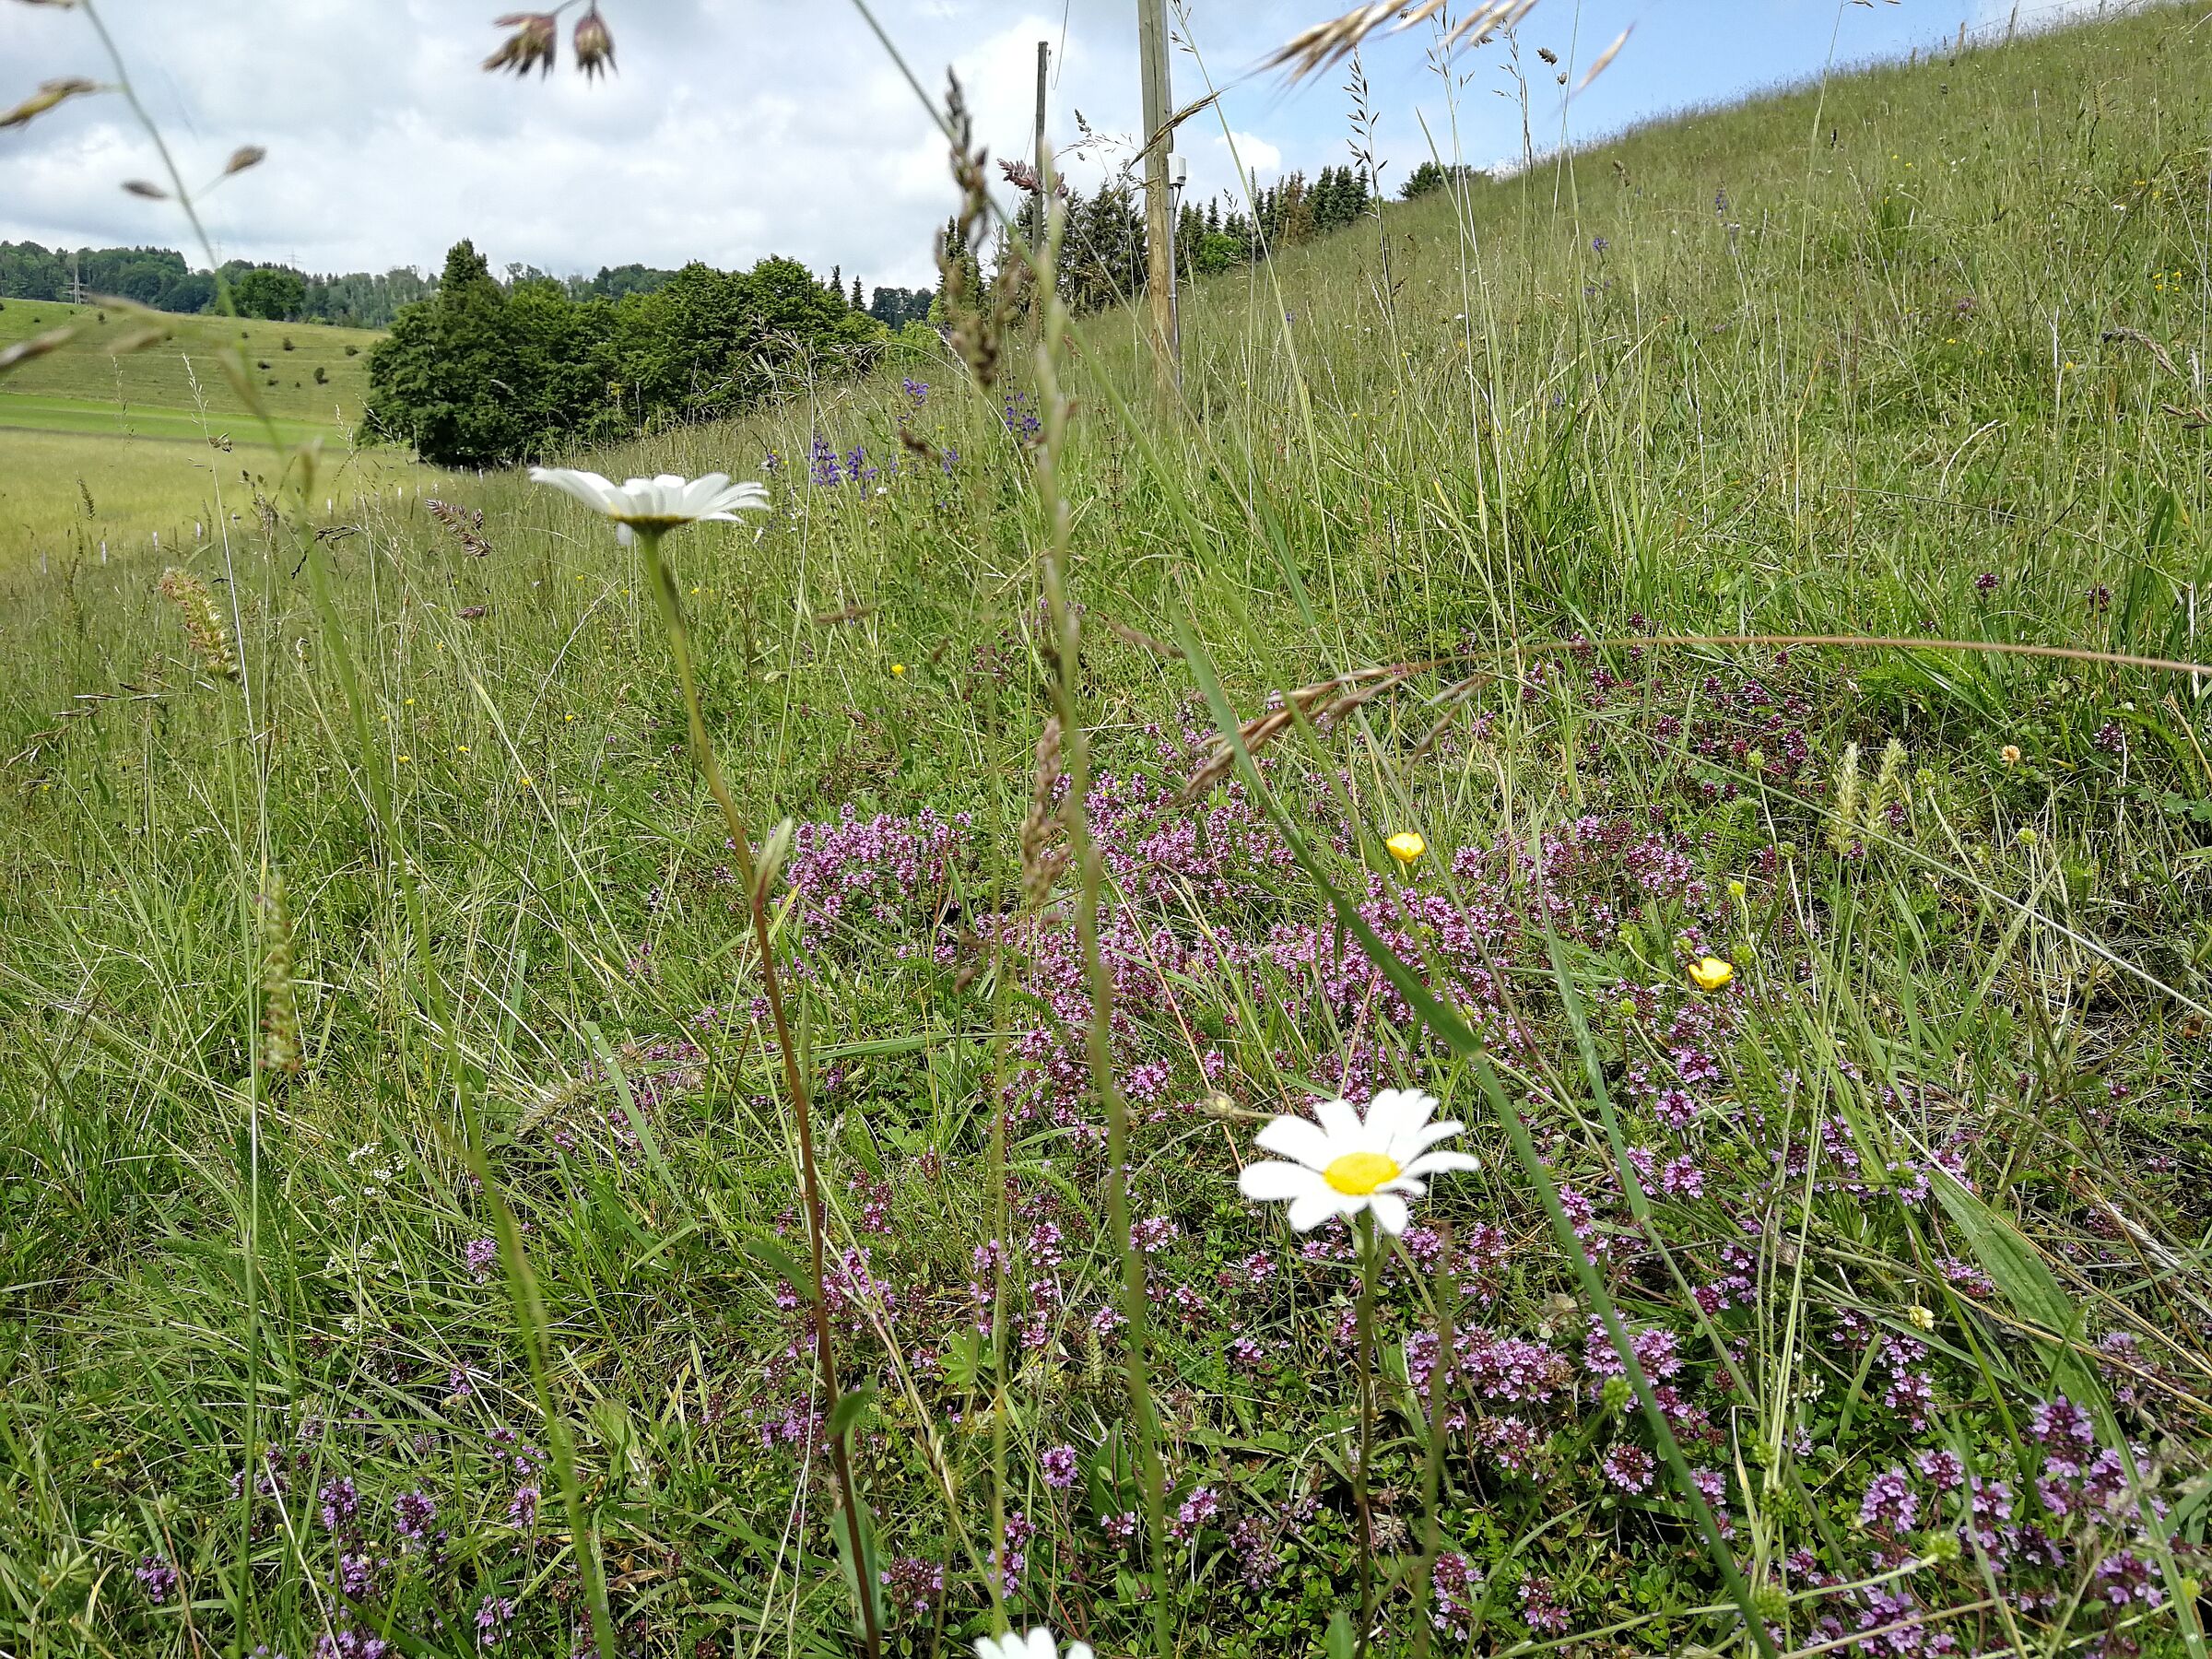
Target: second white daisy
656,506
1343,1163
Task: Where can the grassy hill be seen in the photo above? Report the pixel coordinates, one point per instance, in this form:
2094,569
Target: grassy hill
497,1307
162,390
104,451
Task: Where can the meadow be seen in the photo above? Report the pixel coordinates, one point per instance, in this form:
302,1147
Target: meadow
403,1246
101,448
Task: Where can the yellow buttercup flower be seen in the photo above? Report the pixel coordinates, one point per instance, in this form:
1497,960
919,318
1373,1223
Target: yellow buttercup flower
898,667
1406,846
1710,973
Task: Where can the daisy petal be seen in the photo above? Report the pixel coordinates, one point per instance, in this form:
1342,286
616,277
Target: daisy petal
1278,1183
1309,1210
1409,1144
700,496
1408,1108
1298,1138
1341,1120
1391,1212
1438,1163
589,488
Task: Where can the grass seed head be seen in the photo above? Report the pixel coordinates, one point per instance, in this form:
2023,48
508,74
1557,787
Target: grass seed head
534,44
1888,784
205,630
280,1049
49,95
1042,861
595,45
1843,819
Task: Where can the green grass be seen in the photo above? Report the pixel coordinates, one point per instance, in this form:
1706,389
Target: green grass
1843,355
183,372
64,495
159,438
51,412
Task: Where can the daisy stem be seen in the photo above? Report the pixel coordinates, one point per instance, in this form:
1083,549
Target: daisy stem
1370,1255
795,1079
1432,1467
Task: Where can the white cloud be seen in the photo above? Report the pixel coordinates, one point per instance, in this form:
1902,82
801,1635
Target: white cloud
1251,153
737,128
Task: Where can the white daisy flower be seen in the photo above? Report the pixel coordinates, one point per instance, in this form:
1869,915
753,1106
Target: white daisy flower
656,506
1037,1644
1343,1164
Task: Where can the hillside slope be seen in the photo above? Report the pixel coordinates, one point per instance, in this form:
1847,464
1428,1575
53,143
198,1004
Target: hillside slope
403,1214
306,375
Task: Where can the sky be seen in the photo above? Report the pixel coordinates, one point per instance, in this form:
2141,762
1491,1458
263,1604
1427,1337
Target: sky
736,129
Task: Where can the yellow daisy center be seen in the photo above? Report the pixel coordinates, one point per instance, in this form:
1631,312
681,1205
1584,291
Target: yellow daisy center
1359,1173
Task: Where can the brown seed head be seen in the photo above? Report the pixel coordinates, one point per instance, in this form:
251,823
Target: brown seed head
595,45
535,44
37,346
245,155
205,628
49,94
1042,861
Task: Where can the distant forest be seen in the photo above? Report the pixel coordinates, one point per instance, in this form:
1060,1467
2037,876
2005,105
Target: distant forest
161,280
1104,262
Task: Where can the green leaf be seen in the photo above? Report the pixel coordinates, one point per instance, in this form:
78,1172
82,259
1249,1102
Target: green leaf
963,1361
1341,1641
778,1261
850,1407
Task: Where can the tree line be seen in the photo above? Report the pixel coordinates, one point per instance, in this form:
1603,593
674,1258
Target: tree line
1102,253
160,279
486,373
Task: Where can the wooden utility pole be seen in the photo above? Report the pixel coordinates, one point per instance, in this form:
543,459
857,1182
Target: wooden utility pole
1045,59
1159,207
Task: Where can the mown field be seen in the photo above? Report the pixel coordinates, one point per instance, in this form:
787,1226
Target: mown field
303,374
98,447
489,1325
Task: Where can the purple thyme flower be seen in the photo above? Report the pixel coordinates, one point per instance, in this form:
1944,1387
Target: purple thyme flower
492,1619
1199,1510
1630,1467
481,1255
412,1513
157,1577
341,1503
1890,1502
1455,1587
915,1584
